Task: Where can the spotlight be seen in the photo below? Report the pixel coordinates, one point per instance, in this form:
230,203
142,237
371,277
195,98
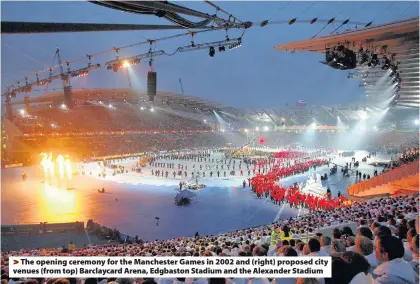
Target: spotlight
125,64
265,128
22,112
313,125
141,108
416,122
246,130
152,109
63,106
211,51
236,45
257,128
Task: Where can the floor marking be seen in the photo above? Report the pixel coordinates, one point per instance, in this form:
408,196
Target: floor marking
280,212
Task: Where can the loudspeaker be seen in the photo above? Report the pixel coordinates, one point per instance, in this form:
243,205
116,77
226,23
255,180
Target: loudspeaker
151,85
68,96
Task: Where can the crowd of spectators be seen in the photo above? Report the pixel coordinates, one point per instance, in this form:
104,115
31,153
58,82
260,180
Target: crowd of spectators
384,249
110,145
393,142
95,118
409,155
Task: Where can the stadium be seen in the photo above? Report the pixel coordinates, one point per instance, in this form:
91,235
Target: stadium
106,155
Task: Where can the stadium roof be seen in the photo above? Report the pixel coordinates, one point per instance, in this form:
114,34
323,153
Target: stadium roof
327,115
289,115
399,37
162,99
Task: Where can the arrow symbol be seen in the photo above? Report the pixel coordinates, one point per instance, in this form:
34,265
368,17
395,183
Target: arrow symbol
15,261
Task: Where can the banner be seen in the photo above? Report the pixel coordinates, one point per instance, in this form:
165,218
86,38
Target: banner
169,267
300,103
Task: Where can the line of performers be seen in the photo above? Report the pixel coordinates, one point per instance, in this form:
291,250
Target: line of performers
253,167
266,185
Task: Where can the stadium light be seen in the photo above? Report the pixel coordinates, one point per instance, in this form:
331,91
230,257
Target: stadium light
416,122
126,64
364,115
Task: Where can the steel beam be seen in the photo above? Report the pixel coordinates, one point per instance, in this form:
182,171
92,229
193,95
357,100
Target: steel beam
40,27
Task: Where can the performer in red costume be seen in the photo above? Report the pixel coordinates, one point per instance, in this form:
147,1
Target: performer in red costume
265,184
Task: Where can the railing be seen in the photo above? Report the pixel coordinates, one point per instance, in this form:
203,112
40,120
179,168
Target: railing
123,236
385,178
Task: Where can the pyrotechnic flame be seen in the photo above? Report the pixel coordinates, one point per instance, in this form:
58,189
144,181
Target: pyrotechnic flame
44,163
47,164
51,165
64,165
60,163
68,168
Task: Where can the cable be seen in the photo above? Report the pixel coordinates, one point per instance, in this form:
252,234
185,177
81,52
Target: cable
24,54
386,10
221,10
165,10
414,2
304,11
327,10
279,10
330,21
280,22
